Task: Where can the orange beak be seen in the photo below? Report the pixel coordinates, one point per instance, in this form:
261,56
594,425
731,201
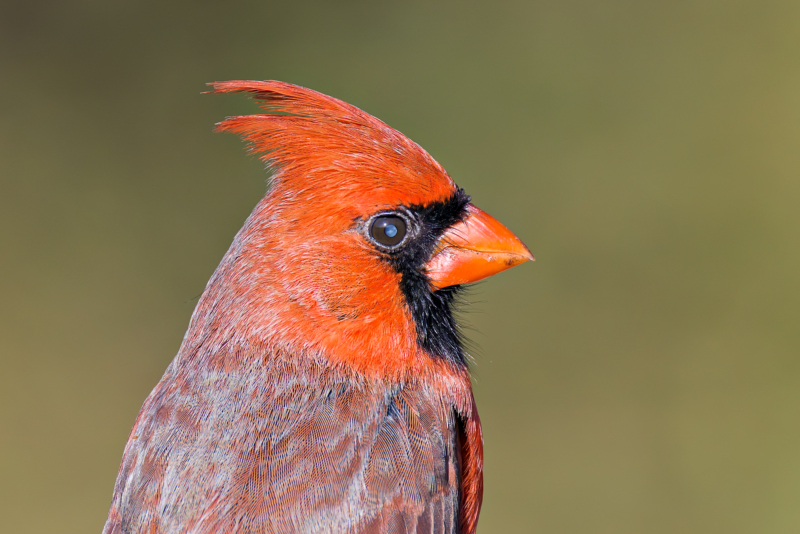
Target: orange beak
474,249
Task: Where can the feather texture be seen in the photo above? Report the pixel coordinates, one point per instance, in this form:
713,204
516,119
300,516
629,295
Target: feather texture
277,446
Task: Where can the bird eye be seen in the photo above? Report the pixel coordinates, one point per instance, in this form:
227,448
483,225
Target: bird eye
388,230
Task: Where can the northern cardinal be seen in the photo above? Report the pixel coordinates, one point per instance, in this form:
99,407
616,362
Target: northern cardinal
322,386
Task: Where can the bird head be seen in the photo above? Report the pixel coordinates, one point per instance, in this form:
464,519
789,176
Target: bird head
357,250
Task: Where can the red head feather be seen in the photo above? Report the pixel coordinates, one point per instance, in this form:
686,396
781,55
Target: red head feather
327,149
298,259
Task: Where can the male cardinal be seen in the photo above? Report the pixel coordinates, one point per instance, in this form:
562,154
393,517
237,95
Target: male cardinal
322,386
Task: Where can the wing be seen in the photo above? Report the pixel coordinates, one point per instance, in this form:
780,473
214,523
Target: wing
277,448
413,475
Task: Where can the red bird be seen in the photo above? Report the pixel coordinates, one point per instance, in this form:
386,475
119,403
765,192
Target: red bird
322,386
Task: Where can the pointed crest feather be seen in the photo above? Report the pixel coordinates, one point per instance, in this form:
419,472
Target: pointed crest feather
292,99
315,140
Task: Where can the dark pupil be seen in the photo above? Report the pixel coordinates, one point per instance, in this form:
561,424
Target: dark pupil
388,230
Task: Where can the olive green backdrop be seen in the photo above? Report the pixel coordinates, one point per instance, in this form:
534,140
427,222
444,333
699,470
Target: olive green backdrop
643,376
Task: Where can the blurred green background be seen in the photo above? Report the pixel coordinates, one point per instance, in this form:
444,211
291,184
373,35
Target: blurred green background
643,376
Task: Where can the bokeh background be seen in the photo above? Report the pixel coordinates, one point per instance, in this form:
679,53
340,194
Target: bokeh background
643,376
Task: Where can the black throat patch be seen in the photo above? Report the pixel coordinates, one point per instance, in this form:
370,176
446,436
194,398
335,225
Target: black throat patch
432,311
